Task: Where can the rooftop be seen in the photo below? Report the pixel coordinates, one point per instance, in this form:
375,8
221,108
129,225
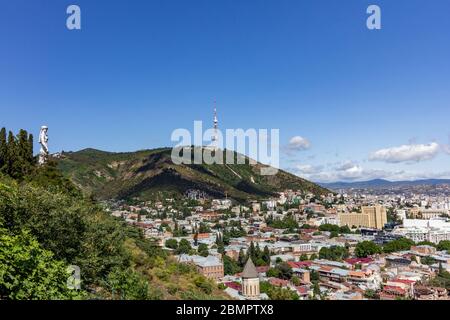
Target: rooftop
250,270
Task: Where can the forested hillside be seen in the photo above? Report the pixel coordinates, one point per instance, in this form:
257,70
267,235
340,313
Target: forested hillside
143,173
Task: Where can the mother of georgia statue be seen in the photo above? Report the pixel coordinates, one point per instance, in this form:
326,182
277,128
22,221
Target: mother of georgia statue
43,140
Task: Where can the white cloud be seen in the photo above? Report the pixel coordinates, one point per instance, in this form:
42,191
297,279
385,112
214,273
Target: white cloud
406,153
351,171
309,169
346,166
298,143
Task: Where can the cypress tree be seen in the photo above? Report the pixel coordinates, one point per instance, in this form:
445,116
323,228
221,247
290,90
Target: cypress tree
3,149
30,148
251,253
23,153
22,144
242,259
11,156
266,255
257,251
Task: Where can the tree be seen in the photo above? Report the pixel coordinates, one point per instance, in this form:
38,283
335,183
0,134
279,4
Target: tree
371,294
251,251
27,271
258,252
401,244
203,250
316,289
172,244
334,253
444,245
30,149
314,275
426,243
3,149
295,280
334,234
184,247
16,153
303,257
127,285
273,272
242,258
11,156
230,266
285,270
427,260
266,255
345,229
366,248
204,284
329,227
278,293
203,228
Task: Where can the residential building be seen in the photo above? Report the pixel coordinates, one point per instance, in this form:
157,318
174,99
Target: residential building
370,217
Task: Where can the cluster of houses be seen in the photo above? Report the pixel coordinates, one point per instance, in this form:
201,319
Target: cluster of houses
398,275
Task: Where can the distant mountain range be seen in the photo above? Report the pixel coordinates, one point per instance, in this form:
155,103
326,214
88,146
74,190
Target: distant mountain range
380,183
108,175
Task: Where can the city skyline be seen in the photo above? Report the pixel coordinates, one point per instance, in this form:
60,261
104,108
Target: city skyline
351,104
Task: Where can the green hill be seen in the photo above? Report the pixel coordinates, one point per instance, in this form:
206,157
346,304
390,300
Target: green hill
109,175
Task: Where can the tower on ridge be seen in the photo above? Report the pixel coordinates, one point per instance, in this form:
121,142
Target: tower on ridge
214,139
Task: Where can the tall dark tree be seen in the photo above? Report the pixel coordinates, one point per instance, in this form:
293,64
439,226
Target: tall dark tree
11,156
23,156
30,148
251,251
242,258
258,252
266,255
3,148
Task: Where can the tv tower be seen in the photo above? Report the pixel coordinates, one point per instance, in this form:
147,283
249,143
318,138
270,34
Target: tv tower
214,138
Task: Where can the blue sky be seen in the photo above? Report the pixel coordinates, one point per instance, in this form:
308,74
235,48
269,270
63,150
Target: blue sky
140,69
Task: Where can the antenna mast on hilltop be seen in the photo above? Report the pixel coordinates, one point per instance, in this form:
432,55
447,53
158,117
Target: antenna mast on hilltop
215,137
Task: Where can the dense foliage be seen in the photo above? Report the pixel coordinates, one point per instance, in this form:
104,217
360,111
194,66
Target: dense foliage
16,153
398,245
288,222
367,248
277,293
334,253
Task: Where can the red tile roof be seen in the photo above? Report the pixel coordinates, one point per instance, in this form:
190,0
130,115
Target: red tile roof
303,290
406,281
299,264
394,289
233,285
